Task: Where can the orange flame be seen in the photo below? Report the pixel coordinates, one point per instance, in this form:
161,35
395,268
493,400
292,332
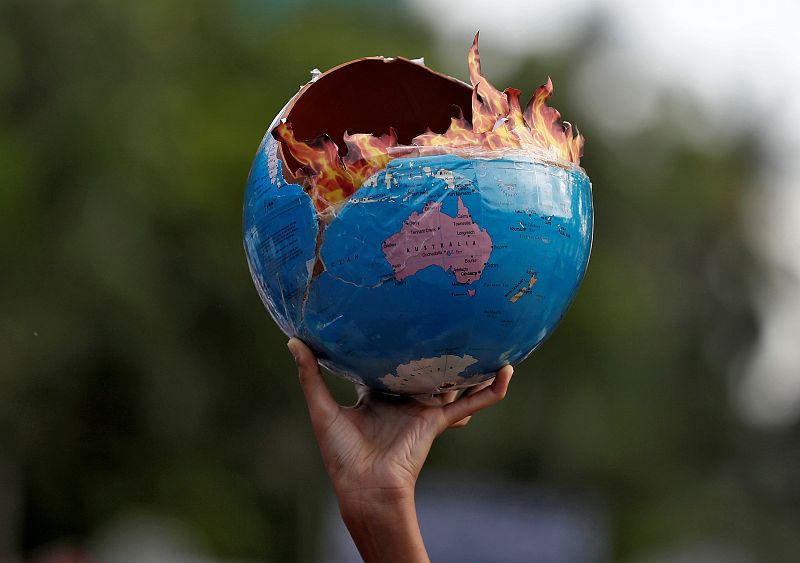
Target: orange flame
367,154
549,130
498,123
326,178
488,103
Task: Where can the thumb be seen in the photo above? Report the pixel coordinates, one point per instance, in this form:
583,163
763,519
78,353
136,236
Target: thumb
321,405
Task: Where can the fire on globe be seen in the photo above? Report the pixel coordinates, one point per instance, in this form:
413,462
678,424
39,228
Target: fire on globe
416,232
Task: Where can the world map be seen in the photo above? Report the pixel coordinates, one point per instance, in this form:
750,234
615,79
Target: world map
434,274
433,238
419,376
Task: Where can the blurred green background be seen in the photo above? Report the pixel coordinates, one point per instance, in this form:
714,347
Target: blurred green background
140,374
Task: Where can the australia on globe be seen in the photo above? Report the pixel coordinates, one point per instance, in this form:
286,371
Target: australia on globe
437,248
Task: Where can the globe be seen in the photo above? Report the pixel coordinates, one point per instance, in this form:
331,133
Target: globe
439,270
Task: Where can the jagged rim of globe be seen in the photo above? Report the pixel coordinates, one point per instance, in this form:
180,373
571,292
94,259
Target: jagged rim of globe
527,153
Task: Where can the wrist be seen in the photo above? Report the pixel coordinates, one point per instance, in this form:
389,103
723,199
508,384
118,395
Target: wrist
381,499
383,524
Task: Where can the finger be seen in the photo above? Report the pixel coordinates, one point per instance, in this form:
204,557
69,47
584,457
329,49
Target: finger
362,394
467,392
429,400
461,423
439,400
361,391
447,398
321,405
475,388
472,403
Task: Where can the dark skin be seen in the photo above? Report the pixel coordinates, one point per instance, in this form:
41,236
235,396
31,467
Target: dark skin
375,450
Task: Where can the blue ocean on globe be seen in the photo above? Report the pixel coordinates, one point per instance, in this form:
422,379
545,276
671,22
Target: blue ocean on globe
438,271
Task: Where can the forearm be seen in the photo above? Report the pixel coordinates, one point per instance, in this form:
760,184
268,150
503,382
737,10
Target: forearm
384,527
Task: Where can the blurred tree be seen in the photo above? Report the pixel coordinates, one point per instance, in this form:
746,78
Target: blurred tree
139,370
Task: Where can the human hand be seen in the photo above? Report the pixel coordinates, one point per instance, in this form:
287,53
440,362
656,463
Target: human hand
375,450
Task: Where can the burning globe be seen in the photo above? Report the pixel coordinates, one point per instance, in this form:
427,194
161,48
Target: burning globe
417,232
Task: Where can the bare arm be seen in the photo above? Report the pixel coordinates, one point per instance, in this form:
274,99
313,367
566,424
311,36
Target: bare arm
374,451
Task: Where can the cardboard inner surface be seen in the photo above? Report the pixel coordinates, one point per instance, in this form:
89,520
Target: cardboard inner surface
370,95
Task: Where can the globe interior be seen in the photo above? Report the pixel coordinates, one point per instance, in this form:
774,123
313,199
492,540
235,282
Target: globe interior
443,266
371,95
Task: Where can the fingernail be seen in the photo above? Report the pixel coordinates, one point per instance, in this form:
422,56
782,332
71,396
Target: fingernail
292,345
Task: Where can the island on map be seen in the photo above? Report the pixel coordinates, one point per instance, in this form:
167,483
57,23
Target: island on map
420,376
433,238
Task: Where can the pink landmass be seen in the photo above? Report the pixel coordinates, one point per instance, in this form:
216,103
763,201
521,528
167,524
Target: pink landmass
433,238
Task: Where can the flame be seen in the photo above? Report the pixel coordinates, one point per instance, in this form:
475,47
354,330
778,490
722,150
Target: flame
366,154
326,178
498,123
549,129
488,103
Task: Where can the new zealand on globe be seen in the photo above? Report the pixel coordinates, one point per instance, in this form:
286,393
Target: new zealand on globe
417,233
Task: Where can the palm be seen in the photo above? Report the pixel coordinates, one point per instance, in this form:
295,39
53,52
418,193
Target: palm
381,443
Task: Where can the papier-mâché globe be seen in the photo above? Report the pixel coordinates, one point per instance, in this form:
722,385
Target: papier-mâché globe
443,266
